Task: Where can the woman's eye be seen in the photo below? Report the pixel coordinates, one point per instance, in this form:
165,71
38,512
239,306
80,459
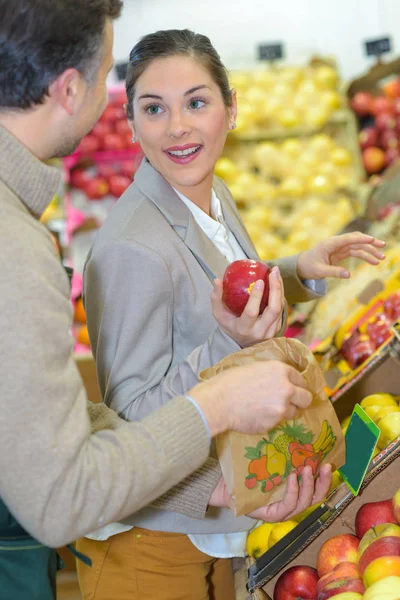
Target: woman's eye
196,104
154,109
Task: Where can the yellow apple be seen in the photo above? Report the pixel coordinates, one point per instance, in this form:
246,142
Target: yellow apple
226,169
326,77
381,399
384,411
390,429
341,157
291,147
321,185
384,589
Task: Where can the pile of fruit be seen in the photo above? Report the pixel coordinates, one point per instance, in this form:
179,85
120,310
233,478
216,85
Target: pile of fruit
365,566
285,190
105,178
379,118
80,330
285,98
384,410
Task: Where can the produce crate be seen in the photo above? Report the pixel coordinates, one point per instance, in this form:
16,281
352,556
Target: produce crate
336,515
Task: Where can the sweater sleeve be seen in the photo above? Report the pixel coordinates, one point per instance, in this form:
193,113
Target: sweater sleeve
129,303
59,480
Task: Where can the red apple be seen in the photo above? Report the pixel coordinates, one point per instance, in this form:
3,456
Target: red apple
343,569
385,120
238,282
381,105
368,137
113,141
118,184
105,170
391,155
362,104
89,145
297,583
127,168
101,129
122,127
358,352
112,114
340,586
79,178
378,330
373,513
340,548
388,139
96,188
374,159
391,306
384,546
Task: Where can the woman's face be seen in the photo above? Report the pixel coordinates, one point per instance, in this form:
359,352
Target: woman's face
180,120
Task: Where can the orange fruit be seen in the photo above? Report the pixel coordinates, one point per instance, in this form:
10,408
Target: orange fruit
83,336
80,315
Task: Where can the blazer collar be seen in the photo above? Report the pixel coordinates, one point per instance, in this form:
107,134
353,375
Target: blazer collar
153,185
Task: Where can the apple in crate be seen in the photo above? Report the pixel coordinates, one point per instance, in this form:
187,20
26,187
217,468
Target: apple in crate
378,329
238,281
297,583
373,513
96,188
118,184
362,104
391,306
340,548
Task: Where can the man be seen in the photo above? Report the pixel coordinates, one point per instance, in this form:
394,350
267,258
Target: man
58,479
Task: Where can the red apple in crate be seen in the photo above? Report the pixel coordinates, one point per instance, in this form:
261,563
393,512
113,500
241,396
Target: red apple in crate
381,105
118,184
340,548
79,178
113,141
362,104
385,121
340,571
388,139
101,129
392,89
358,352
297,583
96,188
127,168
122,127
373,513
89,145
384,546
368,137
105,170
374,159
238,281
391,306
378,329
112,114
391,155
340,586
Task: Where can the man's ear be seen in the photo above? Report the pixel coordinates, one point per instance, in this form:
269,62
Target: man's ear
68,90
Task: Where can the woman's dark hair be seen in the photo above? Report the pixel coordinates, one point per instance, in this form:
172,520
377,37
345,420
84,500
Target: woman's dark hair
40,39
173,42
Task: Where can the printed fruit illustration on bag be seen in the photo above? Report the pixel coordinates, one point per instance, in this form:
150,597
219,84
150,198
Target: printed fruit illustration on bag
289,447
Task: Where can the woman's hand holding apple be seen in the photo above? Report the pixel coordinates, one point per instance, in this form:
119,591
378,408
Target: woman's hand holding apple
251,327
323,260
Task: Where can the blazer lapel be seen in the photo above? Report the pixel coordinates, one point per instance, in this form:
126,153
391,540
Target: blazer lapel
233,220
159,191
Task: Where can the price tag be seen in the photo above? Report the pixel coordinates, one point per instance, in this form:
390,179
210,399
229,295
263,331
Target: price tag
378,47
361,439
270,51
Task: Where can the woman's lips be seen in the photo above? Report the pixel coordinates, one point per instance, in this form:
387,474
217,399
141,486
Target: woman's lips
183,155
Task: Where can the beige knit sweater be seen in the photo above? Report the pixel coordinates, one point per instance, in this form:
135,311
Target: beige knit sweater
59,480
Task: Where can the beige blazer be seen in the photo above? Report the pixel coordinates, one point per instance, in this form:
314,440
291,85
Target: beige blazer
147,285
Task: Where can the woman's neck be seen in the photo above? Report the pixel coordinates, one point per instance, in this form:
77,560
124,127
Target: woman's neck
199,194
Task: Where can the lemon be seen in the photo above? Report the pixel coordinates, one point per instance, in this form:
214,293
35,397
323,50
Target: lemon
279,531
226,169
390,429
378,400
337,479
257,540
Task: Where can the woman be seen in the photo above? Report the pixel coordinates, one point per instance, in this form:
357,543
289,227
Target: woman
148,280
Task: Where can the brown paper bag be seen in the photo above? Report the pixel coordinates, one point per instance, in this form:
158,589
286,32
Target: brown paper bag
256,467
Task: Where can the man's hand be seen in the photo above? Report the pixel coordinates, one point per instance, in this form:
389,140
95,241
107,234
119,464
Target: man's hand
251,327
252,398
323,260
297,497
